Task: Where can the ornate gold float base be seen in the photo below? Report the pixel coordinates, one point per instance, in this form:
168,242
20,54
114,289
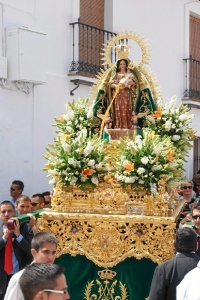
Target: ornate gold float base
109,239
112,199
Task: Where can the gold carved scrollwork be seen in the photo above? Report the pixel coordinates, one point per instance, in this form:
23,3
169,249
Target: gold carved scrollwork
109,239
112,199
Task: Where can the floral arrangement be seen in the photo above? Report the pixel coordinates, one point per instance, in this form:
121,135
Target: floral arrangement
76,158
146,161
174,123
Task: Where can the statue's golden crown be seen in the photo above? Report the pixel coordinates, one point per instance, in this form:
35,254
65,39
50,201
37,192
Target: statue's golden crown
122,51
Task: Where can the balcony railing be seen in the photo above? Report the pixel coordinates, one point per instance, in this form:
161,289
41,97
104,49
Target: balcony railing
87,46
192,79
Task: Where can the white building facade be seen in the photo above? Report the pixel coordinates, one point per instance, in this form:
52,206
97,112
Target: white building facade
36,51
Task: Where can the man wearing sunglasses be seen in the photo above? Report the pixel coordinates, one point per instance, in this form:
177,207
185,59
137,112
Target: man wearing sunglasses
16,190
47,197
42,281
37,201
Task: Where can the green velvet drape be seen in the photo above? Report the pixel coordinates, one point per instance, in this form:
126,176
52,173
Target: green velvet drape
135,274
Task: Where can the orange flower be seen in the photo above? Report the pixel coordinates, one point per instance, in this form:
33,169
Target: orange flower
61,118
109,179
192,133
157,113
170,156
52,153
129,167
46,167
87,172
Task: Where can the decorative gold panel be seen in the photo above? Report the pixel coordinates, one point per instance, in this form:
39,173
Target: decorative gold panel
112,199
109,239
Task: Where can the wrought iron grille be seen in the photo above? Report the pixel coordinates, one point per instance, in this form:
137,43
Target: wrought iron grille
87,43
192,79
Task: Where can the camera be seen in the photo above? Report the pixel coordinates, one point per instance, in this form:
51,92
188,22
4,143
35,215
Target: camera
11,224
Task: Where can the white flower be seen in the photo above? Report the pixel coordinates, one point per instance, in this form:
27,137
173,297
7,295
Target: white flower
90,112
69,129
100,165
69,123
70,114
73,162
120,178
130,180
168,125
138,139
173,101
52,181
95,180
157,149
140,171
62,136
145,160
175,137
88,149
91,163
131,144
53,172
66,147
183,117
84,178
151,119
73,180
156,167
125,162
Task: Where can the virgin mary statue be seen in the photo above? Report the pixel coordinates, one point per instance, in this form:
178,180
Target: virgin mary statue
123,97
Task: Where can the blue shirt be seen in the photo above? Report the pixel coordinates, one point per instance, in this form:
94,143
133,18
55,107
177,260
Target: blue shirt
14,203
14,259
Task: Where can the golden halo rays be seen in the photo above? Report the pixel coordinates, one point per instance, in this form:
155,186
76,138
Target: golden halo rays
137,38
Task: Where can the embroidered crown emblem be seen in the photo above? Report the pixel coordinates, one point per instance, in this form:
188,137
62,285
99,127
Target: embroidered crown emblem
107,274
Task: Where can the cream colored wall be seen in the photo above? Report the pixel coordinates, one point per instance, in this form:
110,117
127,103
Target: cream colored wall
165,24
25,120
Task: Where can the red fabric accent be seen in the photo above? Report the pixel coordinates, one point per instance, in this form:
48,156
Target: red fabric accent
8,256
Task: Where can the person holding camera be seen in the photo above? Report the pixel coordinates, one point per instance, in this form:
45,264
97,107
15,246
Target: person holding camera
15,245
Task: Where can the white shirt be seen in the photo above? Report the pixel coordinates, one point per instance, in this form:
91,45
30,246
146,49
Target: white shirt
189,288
13,291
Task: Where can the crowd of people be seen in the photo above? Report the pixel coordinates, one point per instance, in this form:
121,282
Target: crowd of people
25,252
27,271
177,279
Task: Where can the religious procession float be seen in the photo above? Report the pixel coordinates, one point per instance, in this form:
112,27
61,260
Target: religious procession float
116,164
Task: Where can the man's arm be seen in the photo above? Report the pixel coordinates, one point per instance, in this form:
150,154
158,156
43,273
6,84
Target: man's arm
181,290
13,291
24,235
158,286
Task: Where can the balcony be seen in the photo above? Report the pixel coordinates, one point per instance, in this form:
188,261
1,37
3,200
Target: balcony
192,82
87,46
